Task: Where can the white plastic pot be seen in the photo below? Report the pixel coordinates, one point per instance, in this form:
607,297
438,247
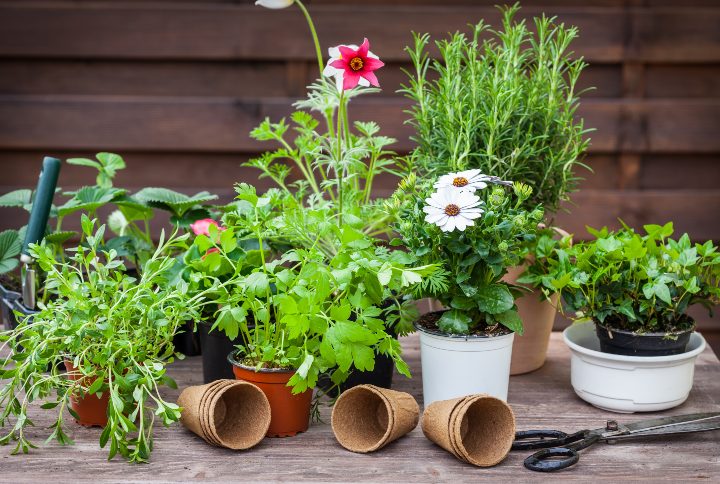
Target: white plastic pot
455,366
629,384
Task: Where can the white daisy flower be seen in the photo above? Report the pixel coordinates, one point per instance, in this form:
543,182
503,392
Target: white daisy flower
468,180
452,209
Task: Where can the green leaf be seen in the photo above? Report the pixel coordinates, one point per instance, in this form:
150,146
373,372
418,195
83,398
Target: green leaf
385,274
363,357
305,366
10,245
662,291
257,283
18,198
89,199
494,299
454,321
511,320
172,201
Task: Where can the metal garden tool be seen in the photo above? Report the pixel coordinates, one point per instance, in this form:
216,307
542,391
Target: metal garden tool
36,226
560,450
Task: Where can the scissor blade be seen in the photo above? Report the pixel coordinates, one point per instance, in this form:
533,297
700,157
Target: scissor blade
668,423
679,429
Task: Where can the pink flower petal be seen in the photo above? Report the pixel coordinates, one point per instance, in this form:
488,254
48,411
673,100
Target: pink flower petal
339,64
364,48
350,79
347,53
370,64
370,76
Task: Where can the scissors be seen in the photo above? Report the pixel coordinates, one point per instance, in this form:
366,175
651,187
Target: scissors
560,450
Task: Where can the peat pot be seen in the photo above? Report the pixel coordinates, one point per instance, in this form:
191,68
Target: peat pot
289,414
626,384
458,365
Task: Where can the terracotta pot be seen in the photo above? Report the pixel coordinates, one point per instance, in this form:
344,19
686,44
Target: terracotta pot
538,316
91,409
289,414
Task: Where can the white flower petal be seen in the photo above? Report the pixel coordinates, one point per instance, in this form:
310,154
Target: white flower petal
274,4
334,52
364,82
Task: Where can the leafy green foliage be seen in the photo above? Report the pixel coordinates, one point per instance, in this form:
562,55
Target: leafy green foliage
505,105
10,245
107,165
17,199
636,282
321,305
174,202
115,330
475,260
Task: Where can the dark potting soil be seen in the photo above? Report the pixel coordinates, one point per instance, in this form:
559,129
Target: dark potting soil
429,321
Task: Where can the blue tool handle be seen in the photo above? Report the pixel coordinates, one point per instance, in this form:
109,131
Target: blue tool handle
42,203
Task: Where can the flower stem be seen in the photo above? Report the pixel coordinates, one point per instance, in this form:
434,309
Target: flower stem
314,35
339,164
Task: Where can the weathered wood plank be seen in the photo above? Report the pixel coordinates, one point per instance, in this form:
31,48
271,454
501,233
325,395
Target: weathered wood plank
222,124
196,31
543,399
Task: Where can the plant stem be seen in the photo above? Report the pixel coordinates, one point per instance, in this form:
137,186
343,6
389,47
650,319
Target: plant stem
310,23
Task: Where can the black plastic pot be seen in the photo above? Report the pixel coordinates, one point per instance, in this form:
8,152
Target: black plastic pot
187,341
621,342
215,348
7,299
14,319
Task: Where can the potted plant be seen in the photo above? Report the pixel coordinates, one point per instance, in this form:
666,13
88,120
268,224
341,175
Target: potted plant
504,102
106,339
299,314
636,290
476,229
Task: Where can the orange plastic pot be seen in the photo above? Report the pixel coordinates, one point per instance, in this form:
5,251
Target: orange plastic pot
91,409
289,414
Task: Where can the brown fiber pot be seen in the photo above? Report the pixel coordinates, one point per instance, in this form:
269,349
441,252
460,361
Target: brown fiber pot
289,414
538,315
91,409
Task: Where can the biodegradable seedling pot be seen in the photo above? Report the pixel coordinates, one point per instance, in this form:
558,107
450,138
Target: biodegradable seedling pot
367,418
457,365
627,384
227,413
478,429
290,414
90,409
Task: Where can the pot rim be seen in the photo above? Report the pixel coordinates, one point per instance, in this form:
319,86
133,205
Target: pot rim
653,334
231,359
453,336
575,347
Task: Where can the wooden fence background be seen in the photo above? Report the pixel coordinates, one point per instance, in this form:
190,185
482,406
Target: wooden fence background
175,86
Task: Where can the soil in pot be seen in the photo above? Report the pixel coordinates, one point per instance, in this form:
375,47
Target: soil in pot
90,409
428,322
622,342
289,414
215,348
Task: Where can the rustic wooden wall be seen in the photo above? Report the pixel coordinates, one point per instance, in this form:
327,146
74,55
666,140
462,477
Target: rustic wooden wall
175,86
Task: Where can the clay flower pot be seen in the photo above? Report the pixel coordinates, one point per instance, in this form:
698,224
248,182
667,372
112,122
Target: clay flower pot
289,414
538,315
90,409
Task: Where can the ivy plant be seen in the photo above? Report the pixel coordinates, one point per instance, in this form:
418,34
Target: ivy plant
638,282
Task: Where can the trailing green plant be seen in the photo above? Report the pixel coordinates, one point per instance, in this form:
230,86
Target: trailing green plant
501,101
640,283
541,261
475,236
116,330
303,309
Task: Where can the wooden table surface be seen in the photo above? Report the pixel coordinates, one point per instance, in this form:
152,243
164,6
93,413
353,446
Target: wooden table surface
543,399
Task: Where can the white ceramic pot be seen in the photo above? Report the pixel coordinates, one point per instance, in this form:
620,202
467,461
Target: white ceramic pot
629,384
455,366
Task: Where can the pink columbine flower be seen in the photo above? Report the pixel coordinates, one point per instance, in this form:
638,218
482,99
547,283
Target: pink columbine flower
202,226
352,65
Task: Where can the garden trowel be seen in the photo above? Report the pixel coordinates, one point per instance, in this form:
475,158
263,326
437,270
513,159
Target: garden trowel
36,227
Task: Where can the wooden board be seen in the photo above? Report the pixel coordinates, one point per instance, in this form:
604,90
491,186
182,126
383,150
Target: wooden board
543,399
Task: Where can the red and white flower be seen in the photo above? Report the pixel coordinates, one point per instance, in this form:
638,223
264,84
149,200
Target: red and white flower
352,65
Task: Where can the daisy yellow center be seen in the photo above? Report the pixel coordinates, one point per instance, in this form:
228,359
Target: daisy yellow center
460,181
356,63
452,210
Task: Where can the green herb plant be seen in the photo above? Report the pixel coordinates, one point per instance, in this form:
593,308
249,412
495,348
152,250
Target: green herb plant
474,259
302,310
116,330
639,283
502,101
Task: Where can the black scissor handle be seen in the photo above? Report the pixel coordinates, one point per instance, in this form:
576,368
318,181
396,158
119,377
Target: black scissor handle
546,460
542,439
